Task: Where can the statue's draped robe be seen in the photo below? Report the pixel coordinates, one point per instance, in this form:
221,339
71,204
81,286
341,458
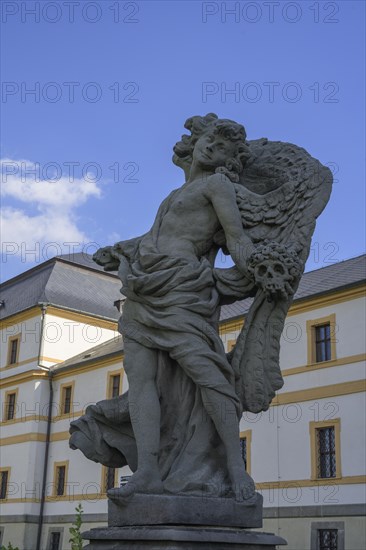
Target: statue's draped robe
172,306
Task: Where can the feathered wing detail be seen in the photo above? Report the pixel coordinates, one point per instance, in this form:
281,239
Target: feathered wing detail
282,192
256,354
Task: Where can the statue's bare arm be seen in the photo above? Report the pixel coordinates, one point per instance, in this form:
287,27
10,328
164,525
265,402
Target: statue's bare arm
221,193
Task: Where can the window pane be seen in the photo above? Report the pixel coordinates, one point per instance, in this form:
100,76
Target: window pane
55,541
326,452
320,352
328,352
60,482
110,478
243,448
116,380
10,409
67,400
13,351
328,539
3,484
322,343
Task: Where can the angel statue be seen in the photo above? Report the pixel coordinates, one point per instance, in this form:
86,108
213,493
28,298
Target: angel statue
177,427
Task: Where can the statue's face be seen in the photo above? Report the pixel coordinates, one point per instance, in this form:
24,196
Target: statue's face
213,150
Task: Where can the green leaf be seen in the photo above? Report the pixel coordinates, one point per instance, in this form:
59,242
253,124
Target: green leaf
75,539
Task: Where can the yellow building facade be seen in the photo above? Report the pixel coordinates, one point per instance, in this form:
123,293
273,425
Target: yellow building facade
61,351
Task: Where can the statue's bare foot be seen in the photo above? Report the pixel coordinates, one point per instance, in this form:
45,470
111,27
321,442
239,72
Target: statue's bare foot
140,482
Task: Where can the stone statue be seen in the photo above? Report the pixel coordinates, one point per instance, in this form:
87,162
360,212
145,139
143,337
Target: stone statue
177,427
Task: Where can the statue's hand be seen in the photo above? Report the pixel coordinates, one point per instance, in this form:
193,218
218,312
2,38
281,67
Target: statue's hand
108,258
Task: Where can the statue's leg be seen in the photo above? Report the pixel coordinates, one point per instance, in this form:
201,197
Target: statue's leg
205,367
140,364
223,413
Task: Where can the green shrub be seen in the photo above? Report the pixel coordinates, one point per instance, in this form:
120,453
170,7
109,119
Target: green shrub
75,539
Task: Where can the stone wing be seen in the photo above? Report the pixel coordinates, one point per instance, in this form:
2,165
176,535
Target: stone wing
282,192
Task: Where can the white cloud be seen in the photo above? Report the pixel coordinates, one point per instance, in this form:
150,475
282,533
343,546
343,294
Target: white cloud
21,179
56,203
17,226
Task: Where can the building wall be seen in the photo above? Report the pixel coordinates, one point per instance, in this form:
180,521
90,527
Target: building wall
67,334
23,438
280,447
28,326
298,533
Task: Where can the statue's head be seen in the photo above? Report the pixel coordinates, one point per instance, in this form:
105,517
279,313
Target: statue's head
217,144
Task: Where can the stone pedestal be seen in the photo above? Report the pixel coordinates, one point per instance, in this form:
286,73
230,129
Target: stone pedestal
185,510
170,537
168,522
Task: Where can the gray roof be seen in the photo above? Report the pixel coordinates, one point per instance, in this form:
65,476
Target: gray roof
80,258
321,281
109,348
75,282
72,282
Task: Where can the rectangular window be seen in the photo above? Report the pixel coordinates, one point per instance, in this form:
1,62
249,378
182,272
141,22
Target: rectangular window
13,352
66,399
327,535
10,406
321,337
60,471
323,350
328,539
325,445
110,479
13,349
60,480
115,385
243,449
326,452
55,539
4,478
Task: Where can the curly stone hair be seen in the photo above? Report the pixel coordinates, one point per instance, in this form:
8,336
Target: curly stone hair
211,124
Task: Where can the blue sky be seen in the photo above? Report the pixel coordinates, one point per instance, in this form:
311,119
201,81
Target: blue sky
113,83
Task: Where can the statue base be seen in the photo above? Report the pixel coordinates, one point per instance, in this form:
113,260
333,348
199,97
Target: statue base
167,509
170,537
173,522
